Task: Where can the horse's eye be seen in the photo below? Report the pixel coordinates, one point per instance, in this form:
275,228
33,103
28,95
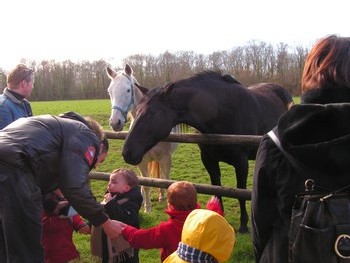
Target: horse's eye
128,90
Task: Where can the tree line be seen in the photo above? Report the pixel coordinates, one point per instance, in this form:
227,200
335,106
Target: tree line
253,63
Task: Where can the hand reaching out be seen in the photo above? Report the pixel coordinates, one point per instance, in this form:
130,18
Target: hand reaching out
107,198
215,205
59,206
113,228
85,230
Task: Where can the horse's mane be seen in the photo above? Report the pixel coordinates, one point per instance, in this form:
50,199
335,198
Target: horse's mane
204,75
215,74
154,92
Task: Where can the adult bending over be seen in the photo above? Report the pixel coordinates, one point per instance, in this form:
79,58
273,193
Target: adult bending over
37,155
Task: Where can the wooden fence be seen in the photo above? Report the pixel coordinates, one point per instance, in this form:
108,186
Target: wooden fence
199,138
193,138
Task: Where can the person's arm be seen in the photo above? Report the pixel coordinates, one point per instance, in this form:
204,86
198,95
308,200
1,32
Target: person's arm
79,225
150,238
74,173
214,205
5,116
263,208
113,228
73,181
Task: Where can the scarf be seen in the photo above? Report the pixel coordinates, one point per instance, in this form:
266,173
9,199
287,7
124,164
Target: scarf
194,255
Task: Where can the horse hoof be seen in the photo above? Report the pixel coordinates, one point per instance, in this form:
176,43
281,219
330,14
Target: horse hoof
243,230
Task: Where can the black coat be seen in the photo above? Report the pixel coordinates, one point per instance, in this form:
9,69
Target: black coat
318,135
59,152
125,208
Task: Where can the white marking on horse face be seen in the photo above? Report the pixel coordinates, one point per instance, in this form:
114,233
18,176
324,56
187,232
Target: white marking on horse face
120,93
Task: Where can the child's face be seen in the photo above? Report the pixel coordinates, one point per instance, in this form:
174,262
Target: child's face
117,184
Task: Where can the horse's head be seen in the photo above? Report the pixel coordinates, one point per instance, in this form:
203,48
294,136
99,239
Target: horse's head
153,122
122,94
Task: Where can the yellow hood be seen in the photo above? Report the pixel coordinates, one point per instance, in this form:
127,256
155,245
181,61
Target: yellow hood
209,232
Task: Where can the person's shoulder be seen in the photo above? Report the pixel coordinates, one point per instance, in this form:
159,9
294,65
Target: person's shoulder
4,100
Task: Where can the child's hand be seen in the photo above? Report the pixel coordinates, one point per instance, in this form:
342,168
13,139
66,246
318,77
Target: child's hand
85,230
59,206
107,198
215,205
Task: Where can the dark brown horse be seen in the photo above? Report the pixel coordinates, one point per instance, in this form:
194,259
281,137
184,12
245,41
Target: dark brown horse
211,103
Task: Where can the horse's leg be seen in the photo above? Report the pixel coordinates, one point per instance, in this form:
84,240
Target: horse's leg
241,168
143,167
213,168
165,165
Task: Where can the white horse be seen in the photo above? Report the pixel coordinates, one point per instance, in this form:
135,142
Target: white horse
125,94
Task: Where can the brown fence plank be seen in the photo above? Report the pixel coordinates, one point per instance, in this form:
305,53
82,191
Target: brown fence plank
199,138
201,188
192,138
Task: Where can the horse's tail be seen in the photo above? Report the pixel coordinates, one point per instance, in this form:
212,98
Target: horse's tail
154,169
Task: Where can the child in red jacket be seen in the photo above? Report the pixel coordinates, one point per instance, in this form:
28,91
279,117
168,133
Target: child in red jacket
59,220
182,199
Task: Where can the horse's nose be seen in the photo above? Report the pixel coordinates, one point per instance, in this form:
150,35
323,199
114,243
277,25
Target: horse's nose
117,126
128,156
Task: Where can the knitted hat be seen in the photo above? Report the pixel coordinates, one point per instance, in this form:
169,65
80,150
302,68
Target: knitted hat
206,235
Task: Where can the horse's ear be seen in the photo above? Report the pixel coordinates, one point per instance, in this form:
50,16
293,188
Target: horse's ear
143,89
128,69
111,73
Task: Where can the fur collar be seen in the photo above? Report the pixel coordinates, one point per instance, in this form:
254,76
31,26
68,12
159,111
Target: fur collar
326,96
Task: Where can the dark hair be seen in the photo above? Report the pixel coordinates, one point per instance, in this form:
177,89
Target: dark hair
182,195
130,176
327,64
105,143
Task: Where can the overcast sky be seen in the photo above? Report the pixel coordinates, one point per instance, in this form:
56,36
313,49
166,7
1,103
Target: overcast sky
114,29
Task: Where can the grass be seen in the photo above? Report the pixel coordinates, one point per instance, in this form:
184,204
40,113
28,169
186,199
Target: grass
186,166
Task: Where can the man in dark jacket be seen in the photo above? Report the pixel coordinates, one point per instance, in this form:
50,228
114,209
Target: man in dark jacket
37,155
317,133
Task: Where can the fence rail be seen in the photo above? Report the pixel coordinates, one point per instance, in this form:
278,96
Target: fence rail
199,138
201,188
248,140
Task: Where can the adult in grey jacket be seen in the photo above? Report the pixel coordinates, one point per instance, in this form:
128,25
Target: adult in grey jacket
13,102
37,155
317,133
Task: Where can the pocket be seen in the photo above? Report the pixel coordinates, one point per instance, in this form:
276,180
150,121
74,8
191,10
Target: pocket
297,217
313,245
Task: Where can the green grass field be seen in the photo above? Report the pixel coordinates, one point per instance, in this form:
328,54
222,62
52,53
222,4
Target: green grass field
186,166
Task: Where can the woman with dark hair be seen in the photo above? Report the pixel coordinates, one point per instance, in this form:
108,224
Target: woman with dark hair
317,133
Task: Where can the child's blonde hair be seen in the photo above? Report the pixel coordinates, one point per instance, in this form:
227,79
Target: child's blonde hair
182,195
